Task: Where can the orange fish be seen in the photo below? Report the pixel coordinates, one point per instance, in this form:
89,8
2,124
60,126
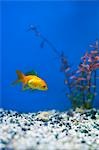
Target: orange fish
31,81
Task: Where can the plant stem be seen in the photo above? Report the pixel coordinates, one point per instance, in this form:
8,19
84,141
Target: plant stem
94,84
44,39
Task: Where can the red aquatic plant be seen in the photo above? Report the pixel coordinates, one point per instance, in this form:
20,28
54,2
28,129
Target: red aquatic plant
81,82
84,80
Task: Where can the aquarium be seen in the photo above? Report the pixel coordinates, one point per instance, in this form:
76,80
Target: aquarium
49,75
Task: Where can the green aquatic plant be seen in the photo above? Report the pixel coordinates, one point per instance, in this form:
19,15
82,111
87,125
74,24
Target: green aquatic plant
81,83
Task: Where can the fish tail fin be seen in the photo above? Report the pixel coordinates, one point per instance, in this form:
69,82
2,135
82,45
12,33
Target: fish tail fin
15,82
20,75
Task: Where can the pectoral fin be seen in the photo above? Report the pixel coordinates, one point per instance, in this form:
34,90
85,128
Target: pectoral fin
25,87
32,90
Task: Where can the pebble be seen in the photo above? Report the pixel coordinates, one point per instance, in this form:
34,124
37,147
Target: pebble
50,130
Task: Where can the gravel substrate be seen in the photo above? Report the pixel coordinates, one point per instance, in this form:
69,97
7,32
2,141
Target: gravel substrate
49,130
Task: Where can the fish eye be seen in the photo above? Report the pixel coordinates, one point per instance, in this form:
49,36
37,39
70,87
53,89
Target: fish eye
44,86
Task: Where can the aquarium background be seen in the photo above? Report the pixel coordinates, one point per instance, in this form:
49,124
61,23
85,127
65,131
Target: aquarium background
70,25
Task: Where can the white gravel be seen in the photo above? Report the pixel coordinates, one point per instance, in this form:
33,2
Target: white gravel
49,130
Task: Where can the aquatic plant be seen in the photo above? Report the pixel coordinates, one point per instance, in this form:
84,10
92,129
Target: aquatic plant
81,83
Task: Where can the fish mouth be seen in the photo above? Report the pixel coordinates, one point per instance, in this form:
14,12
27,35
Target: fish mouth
44,89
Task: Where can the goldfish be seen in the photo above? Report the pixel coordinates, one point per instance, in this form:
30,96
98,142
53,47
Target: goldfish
30,81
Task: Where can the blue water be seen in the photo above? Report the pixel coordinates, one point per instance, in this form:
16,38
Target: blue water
70,26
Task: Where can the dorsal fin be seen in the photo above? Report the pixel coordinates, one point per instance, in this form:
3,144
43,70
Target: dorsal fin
32,72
